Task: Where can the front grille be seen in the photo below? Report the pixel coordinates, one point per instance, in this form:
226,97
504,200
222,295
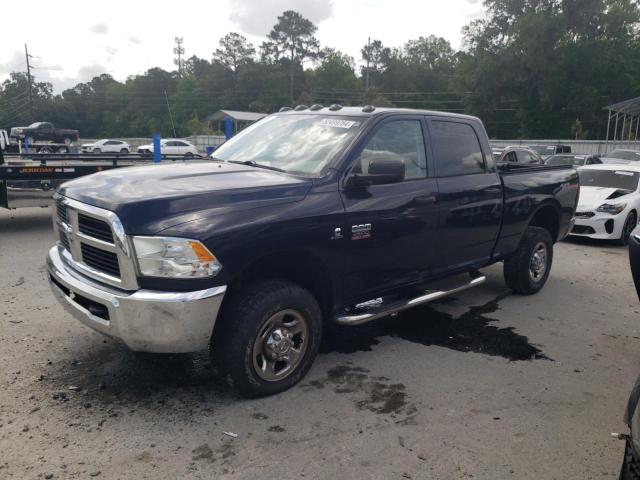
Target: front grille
95,228
100,260
585,214
62,211
64,240
582,230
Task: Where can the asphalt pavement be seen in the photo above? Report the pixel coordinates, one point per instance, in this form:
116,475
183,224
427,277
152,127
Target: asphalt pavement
484,385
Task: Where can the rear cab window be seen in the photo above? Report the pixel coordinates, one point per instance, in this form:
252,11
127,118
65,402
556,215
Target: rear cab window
457,149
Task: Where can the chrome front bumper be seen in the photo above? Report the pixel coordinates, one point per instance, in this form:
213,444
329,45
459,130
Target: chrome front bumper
145,320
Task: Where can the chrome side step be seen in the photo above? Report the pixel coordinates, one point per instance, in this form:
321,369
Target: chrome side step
430,296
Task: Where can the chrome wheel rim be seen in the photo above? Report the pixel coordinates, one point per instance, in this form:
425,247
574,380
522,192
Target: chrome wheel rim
280,345
538,263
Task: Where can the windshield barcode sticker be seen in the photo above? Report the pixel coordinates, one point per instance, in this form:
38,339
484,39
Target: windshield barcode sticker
331,122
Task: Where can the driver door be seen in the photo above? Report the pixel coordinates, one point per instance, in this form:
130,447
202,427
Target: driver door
390,230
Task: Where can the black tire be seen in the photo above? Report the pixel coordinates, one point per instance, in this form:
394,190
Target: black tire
521,270
45,150
188,155
629,224
242,323
124,151
97,151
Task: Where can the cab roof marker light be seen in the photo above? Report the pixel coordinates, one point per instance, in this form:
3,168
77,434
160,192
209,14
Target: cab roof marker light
368,108
335,106
316,106
300,108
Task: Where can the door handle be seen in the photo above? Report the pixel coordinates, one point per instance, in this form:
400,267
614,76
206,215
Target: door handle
426,199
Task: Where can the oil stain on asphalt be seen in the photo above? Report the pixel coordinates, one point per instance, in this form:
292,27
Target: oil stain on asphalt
469,332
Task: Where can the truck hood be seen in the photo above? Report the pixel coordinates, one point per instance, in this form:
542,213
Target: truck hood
592,197
152,198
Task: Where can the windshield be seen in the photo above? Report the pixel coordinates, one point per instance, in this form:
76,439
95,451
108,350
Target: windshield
566,160
624,154
622,179
302,144
497,155
35,125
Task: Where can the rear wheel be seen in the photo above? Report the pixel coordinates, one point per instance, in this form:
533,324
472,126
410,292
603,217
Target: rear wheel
527,270
629,224
45,150
124,151
268,336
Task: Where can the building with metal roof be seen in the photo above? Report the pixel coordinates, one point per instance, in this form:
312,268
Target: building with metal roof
624,120
240,119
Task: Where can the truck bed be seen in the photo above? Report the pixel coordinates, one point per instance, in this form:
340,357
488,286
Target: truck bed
526,189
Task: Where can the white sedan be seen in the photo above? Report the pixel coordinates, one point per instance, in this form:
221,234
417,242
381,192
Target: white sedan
609,202
106,146
171,146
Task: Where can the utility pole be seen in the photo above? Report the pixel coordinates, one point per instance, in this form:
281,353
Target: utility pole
366,77
26,53
179,51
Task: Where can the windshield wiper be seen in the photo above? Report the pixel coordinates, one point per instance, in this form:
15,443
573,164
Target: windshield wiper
252,163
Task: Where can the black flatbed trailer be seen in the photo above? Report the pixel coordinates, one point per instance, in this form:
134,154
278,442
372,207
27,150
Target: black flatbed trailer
31,180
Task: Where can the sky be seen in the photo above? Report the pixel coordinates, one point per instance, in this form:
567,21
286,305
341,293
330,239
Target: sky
122,38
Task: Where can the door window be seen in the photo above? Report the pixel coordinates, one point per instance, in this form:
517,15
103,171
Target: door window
457,149
401,139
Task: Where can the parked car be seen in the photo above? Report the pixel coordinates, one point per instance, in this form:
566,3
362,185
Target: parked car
609,202
307,216
106,146
574,160
622,156
45,131
522,155
547,150
171,146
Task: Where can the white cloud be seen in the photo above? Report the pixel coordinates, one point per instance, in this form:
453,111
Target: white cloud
256,17
99,28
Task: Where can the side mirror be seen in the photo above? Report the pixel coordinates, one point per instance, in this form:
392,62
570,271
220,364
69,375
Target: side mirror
381,171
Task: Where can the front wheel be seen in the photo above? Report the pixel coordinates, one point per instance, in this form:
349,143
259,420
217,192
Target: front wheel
268,336
124,151
629,224
527,270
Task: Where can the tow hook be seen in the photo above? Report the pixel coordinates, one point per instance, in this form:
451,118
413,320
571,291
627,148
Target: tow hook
620,436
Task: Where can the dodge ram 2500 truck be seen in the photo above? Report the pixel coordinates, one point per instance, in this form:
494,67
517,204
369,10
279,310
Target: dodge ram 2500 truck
309,216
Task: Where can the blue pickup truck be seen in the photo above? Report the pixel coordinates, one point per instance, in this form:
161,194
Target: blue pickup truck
310,216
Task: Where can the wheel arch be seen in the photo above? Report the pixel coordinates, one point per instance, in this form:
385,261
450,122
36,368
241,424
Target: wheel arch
298,266
547,216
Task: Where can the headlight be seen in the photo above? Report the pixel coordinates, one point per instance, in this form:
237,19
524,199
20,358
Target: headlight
612,209
174,258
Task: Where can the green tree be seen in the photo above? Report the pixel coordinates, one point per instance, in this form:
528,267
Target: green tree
292,38
235,51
